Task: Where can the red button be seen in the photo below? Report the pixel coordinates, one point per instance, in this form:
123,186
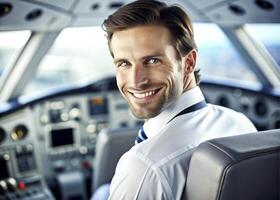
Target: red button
85,164
21,185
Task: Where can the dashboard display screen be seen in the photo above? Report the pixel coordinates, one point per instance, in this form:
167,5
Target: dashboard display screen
98,106
61,137
4,173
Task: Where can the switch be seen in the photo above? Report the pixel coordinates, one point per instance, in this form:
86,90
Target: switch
59,166
21,185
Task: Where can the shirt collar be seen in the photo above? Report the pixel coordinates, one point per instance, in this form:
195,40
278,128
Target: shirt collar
187,99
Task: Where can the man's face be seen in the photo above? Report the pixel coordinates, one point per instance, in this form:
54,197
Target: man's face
149,74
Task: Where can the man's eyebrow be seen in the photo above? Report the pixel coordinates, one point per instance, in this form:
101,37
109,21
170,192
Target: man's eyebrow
116,60
152,56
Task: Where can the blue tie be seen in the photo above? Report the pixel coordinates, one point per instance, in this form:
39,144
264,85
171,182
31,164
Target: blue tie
141,136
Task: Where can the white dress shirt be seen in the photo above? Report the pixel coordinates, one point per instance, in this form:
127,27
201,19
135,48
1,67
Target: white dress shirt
156,168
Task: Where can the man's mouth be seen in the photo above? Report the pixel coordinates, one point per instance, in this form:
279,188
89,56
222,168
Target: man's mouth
146,94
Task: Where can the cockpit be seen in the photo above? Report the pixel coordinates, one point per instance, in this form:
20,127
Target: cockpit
58,90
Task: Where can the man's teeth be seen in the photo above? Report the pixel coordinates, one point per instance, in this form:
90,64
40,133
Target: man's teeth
146,94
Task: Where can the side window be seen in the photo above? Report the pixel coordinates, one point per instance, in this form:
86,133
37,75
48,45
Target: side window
217,57
269,36
78,54
11,44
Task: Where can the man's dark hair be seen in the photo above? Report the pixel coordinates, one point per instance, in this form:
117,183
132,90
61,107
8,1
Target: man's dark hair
152,12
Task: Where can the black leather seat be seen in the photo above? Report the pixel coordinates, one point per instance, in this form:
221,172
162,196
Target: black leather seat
111,145
245,167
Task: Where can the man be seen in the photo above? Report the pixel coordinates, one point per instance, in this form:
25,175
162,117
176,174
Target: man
154,52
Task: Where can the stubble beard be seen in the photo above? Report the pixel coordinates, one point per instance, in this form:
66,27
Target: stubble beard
150,111
147,111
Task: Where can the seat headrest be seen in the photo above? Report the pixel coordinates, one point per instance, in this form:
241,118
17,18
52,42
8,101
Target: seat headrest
244,167
111,145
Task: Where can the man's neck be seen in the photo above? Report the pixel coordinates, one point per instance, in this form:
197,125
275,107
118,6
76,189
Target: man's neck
190,83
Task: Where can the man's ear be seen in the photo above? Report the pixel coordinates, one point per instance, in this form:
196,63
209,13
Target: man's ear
190,62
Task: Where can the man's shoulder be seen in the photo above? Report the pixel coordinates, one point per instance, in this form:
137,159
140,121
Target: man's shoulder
222,109
227,122
228,112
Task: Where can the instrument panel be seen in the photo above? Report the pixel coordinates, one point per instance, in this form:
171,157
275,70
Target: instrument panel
58,136
20,166
67,128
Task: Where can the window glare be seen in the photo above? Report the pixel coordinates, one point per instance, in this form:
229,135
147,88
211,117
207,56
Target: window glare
78,54
217,58
207,34
13,39
269,36
11,43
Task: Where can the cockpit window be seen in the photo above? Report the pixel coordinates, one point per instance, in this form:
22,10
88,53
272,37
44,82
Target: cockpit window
78,54
11,43
81,54
269,36
217,57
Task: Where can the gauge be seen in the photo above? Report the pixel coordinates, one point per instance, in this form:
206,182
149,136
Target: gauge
261,109
2,135
223,101
19,132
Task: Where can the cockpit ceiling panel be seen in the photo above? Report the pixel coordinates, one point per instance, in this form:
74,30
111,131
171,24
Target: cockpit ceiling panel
62,4
245,11
43,15
33,16
93,13
205,4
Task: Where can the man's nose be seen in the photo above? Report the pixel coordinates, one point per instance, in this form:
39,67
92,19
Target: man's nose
139,76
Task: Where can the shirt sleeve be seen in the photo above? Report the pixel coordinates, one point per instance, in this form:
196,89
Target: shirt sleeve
135,180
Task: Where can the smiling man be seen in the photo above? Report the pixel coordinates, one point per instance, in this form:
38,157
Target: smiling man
149,74
154,52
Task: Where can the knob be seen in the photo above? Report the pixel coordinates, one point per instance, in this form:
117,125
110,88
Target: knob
19,132
11,184
3,187
83,150
75,113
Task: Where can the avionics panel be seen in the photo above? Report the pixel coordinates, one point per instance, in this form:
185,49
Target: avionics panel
20,171
67,128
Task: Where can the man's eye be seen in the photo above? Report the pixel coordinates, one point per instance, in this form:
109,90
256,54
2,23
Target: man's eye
152,61
122,64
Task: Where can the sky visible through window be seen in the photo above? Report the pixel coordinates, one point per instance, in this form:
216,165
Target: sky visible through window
10,45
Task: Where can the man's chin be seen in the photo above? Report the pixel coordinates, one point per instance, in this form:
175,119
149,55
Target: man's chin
142,114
